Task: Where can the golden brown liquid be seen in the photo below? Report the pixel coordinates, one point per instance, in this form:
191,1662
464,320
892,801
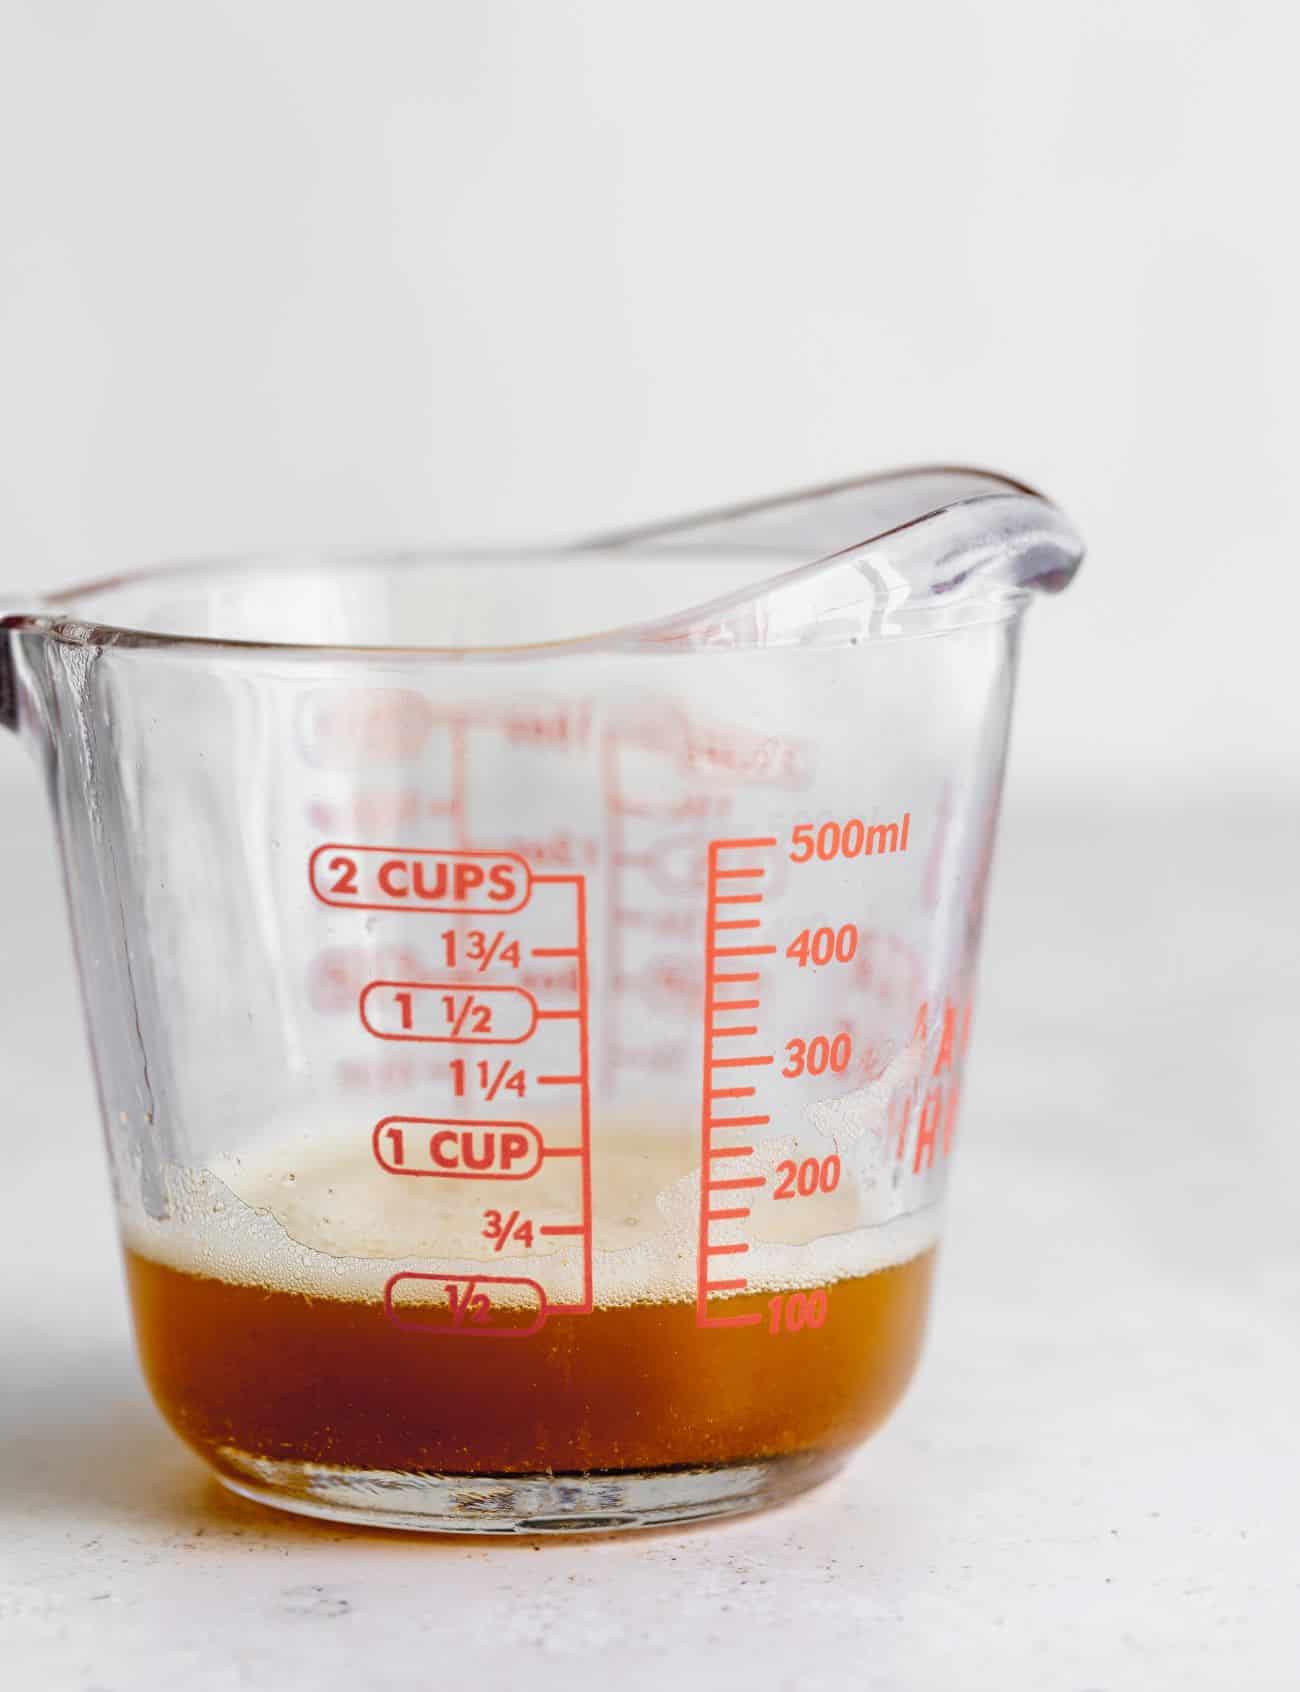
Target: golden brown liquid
278,1374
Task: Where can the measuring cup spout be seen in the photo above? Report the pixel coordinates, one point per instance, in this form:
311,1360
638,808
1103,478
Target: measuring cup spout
907,551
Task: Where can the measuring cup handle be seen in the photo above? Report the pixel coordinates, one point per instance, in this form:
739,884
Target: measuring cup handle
8,676
15,688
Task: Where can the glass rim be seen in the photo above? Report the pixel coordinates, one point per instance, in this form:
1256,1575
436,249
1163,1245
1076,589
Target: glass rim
1026,523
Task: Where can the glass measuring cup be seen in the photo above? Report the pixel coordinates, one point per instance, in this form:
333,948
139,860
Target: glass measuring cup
529,992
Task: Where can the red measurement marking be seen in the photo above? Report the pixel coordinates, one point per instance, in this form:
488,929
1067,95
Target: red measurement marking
396,878
458,1013
718,926
500,1229
447,1012
479,947
500,1075
454,1150
580,895
581,1015
476,1306
491,1078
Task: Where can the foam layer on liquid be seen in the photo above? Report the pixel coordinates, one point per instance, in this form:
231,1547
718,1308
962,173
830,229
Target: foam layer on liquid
319,1216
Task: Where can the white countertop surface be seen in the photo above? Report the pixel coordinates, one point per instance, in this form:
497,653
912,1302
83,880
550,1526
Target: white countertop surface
1093,1484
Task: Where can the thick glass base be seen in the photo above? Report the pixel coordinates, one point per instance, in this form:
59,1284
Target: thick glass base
610,1502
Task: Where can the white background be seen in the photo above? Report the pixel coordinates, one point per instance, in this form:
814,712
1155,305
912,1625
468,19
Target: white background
305,272
276,273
